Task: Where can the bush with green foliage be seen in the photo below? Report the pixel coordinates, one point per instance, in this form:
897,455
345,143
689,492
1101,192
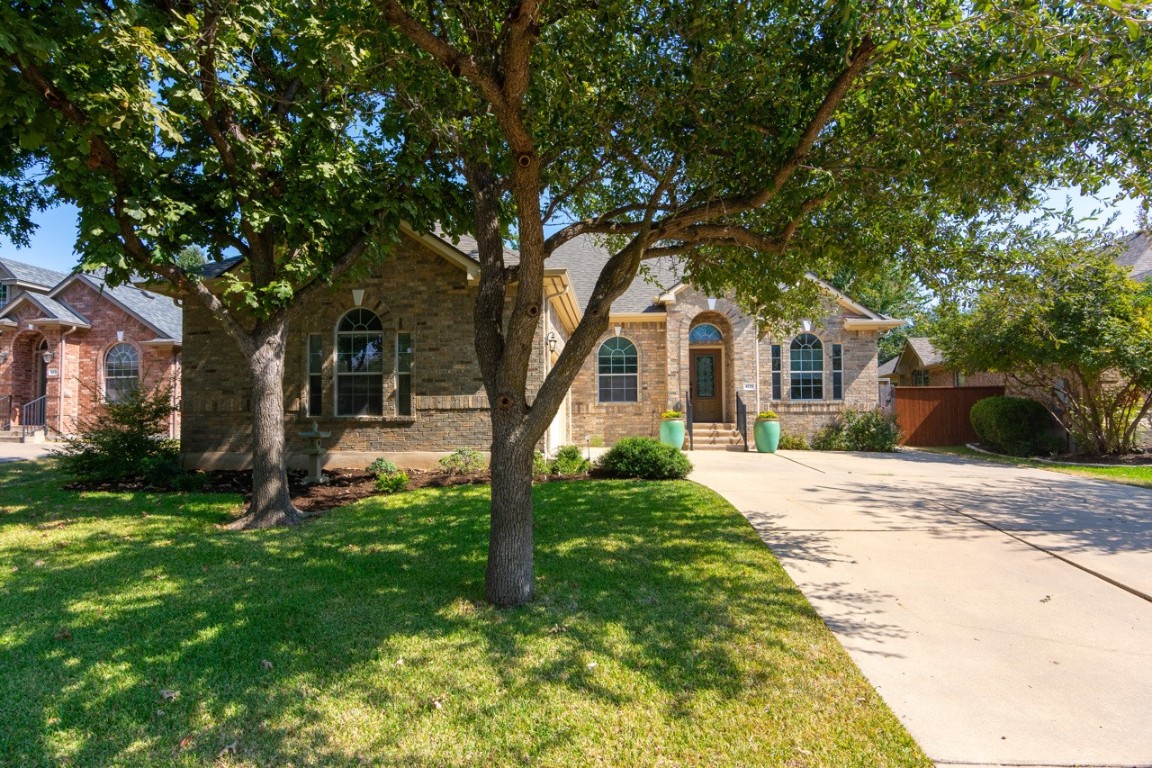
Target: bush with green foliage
859,431
392,482
793,442
541,467
383,466
570,461
645,458
1018,426
125,441
463,461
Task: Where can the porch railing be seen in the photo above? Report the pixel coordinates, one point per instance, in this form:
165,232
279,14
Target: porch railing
742,419
5,413
34,416
688,417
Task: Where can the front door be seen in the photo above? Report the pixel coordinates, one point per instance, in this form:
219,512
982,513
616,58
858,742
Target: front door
39,384
707,388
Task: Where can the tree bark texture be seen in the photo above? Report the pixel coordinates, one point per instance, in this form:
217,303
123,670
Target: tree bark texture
271,503
509,576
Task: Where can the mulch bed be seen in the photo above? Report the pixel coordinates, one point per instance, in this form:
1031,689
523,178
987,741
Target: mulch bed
344,486
1128,460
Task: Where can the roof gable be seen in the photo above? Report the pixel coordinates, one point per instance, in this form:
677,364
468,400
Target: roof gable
29,274
52,311
1137,256
156,311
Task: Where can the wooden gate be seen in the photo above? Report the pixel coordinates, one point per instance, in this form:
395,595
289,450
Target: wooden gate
938,415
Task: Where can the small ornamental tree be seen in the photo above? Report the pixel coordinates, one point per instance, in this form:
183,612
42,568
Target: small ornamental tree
1071,328
245,128
750,141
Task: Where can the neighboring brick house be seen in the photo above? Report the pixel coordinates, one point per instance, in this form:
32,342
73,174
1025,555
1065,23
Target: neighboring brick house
920,365
386,362
70,342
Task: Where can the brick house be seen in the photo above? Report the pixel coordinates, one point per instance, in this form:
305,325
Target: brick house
69,342
386,363
919,364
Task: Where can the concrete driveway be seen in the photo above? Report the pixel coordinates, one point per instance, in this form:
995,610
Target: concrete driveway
22,451
1003,613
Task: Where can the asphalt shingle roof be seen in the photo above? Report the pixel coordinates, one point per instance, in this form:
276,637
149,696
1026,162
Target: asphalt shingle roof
1138,256
158,311
55,310
218,268
33,275
583,257
925,351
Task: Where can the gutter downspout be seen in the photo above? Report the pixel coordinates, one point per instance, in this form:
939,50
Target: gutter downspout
61,377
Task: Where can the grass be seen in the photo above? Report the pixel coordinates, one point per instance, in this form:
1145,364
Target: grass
1129,475
135,632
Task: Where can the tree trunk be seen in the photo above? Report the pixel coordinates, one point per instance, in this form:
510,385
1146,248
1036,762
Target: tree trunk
509,578
271,503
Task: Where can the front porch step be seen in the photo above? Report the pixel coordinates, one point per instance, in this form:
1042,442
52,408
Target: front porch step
10,436
707,436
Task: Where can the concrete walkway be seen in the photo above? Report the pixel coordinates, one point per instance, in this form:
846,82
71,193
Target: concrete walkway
21,451
1003,613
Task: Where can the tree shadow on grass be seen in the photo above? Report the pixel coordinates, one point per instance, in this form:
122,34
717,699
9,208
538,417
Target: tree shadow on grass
361,637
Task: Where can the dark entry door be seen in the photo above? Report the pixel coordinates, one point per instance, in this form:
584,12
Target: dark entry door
707,388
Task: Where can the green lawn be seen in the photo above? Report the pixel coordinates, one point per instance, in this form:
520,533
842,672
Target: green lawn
1138,475
133,631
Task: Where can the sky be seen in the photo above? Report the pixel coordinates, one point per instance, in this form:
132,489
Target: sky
52,242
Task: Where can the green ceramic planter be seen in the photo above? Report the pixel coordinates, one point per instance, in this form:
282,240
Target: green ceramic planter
672,432
767,434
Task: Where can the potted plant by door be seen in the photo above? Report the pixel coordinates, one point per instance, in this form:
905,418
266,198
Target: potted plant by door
672,428
767,432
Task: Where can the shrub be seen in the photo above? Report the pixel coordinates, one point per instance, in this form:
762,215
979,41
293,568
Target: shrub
859,431
791,442
1017,426
541,467
597,441
382,466
463,461
125,441
569,461
645,458
392,482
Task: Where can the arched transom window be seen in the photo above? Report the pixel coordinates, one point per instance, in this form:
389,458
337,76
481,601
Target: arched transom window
617,366
705,333
360,364
807,363
121,372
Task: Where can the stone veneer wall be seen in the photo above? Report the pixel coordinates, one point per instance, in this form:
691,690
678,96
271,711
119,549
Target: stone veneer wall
78,388
668,342
805,417
611,421
415,291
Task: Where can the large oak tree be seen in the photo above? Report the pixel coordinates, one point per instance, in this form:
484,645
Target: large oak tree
753,141
243,127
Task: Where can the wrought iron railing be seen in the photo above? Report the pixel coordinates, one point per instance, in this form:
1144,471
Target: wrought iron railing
688,417
34,416
5,413
742,419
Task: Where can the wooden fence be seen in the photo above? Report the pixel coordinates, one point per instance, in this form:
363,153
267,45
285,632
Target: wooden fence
930,416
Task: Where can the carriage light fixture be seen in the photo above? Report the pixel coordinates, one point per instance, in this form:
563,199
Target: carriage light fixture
47,355
552,340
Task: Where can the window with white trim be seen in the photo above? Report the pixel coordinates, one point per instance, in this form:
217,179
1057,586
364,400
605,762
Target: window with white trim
121,372
705,333
617,366
806,360
776,372
360,364
403,374
837,371
315,375
3,296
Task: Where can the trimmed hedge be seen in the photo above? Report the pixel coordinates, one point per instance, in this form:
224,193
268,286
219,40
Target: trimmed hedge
1017,426
645,458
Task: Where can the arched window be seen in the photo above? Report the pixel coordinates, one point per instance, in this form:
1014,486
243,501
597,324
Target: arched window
705,333
617,366
121,372
360,364
807,362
